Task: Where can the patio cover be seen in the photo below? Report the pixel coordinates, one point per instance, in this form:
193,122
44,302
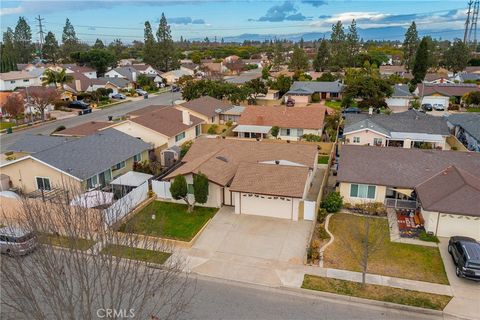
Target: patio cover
132,179
416,136
407,192
253,129
92,199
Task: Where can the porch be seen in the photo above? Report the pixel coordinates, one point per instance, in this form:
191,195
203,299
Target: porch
252,131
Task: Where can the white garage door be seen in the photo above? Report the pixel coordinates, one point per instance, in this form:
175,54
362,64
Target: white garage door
456,225
266,206
436,100
397,102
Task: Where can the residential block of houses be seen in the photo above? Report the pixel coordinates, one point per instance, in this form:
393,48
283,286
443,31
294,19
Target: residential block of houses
206,108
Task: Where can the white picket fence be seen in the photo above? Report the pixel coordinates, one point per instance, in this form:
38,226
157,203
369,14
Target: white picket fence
162,189
123,206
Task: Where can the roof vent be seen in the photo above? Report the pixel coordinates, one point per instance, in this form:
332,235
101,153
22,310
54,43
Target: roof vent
277,161
218,110
222,158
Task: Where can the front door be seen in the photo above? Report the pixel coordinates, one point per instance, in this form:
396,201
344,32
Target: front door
324,95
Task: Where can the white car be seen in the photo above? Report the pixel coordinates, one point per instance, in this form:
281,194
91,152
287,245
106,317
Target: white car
141,92
439,107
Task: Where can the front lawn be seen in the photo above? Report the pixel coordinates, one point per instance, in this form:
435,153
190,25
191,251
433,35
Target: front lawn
136,253
337,105
376,292
6,125
66,242
471,109
323,159
392,259
171,221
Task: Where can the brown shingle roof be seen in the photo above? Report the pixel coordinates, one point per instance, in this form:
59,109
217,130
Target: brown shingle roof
446,89
453,190
167,121
284,117
148,109
207,106
218,159
399,167
84,129
270,179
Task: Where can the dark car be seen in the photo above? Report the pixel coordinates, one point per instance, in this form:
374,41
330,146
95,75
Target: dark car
351,110
466,256
175,89
78,104
427,107
118,96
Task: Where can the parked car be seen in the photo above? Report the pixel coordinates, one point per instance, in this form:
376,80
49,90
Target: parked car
351,110
83,106
439,107
118,96
466,256
141,92
427,107
175,89
16,241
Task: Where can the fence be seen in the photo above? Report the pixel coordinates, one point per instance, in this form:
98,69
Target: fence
401,204
161,189
123,206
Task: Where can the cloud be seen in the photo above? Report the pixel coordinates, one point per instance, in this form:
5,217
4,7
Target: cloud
198,21
315,3
12,10
282,12
184,20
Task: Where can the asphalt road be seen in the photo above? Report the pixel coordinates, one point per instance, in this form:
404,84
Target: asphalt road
99,115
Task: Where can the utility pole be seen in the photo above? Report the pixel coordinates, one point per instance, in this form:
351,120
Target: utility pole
40,32
467,23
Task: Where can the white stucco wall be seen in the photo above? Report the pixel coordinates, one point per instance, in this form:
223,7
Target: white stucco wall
265,205
448,225
214,194
366,138
345,193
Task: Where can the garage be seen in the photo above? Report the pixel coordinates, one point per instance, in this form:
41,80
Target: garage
436,100
454,225
397,102
268,206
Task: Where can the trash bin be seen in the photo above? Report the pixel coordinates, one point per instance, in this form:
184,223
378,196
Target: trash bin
9,130
145,96
110,118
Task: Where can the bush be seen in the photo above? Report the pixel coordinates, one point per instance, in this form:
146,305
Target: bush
213,129
333,202
310,137
322,215
59,128
185,147
60,104
322,233
424,236
369,208
274,131
316,97
453,107
229,123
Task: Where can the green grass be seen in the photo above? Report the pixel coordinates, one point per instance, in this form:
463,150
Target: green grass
377,292
337,105
171,221
105,106
393,259
136,253
6,125
473,109
66,242
323,159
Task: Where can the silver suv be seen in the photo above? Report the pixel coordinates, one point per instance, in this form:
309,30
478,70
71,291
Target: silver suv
16,241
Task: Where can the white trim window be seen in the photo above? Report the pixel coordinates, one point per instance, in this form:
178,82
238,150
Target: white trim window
356,139
43,183
377,141
363,191
92,182
180,136
137,157
119,166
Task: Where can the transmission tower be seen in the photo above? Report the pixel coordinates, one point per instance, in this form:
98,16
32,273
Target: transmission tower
40,32
467,22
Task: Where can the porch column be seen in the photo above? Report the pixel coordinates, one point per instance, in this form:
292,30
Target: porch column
407,144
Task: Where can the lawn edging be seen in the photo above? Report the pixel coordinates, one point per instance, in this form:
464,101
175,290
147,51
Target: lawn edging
128,216
332,238
383,304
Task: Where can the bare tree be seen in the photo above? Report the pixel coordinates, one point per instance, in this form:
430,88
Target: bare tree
367,239
14,105
42,97
97,272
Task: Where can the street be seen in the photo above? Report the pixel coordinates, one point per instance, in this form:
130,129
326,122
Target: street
6,140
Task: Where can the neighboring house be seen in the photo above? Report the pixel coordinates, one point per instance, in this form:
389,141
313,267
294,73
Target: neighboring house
271,95
409,129
233,115
172,76
466,127
400,99
257,178
466,77
388,70
302,91
73,68
441,93
82,130
472,69
206,108
293,123
231,59
445,185
257,62
78,164
81,83
9,81
243,77
214,68
127,72
437,78
161,126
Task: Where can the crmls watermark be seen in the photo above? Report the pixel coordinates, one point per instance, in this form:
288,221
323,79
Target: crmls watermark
115,314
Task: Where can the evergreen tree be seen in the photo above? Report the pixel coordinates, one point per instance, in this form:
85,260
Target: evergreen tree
323,56
299,60
69,40
410,45
149,52
50,47
98,44
457,56
7,54
338,46
301,43
353,44
22,40
420,66
167,54
278,58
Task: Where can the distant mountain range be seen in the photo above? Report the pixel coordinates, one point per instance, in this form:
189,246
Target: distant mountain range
382,33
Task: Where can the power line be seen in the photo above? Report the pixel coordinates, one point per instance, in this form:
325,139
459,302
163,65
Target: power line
40,32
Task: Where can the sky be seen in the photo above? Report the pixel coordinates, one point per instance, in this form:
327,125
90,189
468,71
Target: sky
196,19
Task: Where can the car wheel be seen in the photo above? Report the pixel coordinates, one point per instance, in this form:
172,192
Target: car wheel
450,249
457,272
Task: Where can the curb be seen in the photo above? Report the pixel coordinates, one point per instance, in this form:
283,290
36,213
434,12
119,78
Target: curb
376,303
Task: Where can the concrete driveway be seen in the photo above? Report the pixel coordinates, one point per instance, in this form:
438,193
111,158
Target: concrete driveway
466,294
249,248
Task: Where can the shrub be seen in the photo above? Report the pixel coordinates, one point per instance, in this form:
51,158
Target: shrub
322,215
213,129
310,137
333,202
274,131
185,147
322,233
424,236
314,249
453,107
369,208
229,123
60,104
59,128
316,97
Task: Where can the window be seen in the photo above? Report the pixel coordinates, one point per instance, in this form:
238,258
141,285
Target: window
197,131
92,182
190,188
287,132
26,80
362,191
137,157
377,141
180,136
213,119
13,81
356,139
43,183
334,94
119,166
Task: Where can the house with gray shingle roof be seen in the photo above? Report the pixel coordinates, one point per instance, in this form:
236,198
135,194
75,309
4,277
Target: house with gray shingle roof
302,91
409,129
81,164
400,99
466,127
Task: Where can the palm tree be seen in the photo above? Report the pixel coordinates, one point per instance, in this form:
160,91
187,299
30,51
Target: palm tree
57,78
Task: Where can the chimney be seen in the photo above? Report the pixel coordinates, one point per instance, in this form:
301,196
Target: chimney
186,118
370,110
78,85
